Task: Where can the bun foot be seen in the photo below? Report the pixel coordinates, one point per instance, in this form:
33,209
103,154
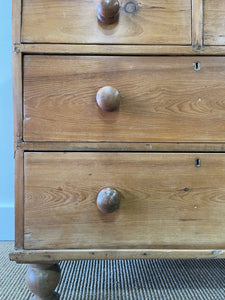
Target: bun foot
42,279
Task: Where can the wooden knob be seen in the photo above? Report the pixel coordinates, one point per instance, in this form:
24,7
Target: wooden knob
108,98
108,200
108,11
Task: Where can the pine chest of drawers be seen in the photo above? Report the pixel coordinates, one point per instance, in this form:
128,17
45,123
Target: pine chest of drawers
119,110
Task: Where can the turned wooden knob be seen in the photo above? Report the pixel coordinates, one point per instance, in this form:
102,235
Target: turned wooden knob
108,11
108,98
108,200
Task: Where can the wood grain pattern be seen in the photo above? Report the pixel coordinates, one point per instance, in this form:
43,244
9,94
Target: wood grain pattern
17,98
147,22
143,147
120,49
19,199
197,23
214,21
162,99
165,201
35,256
18,124
18,153
16,20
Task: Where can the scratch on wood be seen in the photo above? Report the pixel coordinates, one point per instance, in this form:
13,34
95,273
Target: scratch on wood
157,7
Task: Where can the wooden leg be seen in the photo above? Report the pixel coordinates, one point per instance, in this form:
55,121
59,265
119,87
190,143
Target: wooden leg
42,279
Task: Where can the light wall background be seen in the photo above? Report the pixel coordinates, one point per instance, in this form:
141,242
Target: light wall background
6,126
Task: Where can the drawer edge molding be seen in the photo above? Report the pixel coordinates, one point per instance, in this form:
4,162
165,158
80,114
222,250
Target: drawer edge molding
31,256
108,146
102,49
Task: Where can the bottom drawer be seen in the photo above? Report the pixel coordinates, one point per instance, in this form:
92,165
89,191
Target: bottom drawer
166,200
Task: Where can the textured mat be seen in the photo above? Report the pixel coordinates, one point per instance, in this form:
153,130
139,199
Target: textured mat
122,280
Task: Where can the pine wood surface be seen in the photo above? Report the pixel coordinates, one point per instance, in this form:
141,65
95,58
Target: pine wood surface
214,20
17,98
157,28
165,201
120,49
163,99
197,23
16,21
132,147
66,21
45,256
19,199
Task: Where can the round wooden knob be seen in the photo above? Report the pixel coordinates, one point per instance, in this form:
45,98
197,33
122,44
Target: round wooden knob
108,11
108,200
108,98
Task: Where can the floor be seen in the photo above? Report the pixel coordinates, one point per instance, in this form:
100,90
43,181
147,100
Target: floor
122,279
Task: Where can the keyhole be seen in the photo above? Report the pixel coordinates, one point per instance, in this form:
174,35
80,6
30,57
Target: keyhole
198,162
197,66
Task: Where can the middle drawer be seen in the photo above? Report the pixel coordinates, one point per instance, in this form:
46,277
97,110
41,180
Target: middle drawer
163,99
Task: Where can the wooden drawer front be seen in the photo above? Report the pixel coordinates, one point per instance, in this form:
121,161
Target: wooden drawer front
214,22
165,200
163,99
75,21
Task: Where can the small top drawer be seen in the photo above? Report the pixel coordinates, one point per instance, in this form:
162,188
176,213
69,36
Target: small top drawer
214,22
75,21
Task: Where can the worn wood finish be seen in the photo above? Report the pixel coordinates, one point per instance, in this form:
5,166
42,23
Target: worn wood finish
32,256
143,147
17,98
18,123
57,183
142,22
16,21
197,23
214,20
19,199
165,202
163,99
120,49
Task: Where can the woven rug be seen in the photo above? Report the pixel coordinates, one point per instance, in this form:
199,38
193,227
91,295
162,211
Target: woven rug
122,279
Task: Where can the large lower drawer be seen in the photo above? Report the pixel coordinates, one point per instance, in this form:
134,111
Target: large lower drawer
166,201
75,21
163,99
